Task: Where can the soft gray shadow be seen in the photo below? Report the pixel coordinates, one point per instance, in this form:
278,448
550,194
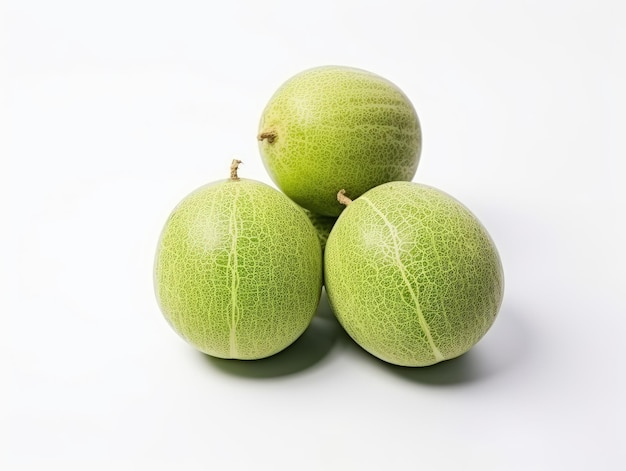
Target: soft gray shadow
324,310
312,346
503,349
463,369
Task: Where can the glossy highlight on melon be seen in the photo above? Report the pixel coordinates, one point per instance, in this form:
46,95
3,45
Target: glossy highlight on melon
412,275
238,270
336,127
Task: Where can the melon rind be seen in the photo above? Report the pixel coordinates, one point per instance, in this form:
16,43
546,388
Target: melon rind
323,225
412,275
338,127
238,270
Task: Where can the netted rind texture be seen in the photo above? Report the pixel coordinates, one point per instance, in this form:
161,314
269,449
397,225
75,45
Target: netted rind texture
338,127
412,275
238,270
323,225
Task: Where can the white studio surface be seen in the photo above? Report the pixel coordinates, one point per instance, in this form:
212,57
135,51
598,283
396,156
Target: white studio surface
114,111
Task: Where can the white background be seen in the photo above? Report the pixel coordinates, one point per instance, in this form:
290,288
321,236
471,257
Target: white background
113,111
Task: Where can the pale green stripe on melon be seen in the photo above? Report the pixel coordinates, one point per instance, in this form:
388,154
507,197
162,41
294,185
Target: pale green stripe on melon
414,291
234,273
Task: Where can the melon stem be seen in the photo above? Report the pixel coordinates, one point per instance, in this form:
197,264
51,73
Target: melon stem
342,198
269,135
233,169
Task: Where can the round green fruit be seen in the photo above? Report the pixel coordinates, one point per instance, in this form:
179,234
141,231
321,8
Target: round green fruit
238,270
412,275
336,127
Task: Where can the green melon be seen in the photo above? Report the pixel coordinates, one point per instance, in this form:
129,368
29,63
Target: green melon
412,275
337,127
238,270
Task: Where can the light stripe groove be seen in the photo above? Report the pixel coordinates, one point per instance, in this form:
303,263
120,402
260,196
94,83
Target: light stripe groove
413,291
234,273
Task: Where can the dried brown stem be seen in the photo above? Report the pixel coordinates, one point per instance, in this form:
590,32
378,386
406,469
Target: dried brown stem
233,169
342,198
269,135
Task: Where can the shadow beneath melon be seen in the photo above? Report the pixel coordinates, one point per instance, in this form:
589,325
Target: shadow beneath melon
458,370
308,350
